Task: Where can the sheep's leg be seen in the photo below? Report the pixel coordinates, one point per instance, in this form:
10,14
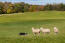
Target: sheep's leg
48,32
38,34
44,33
34,34
55,33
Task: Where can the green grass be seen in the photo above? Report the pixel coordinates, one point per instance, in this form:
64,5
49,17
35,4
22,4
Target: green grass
11,25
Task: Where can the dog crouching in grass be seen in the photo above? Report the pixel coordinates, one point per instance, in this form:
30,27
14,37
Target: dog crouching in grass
35,31
23,33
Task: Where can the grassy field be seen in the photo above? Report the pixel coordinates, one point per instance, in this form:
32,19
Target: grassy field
11,25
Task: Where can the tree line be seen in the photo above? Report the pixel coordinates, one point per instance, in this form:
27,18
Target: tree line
8,7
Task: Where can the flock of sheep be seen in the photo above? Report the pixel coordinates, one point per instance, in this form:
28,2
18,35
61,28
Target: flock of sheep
43,30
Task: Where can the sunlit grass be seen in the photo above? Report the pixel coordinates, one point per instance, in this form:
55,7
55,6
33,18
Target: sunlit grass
12,25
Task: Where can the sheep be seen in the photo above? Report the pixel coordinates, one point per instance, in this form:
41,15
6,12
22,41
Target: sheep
46,30
55,30
35,31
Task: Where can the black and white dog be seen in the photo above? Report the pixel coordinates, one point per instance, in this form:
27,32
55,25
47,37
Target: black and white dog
22,33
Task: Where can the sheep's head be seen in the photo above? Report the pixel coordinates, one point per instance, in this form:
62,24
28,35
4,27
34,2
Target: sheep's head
32,28
41,28
55,28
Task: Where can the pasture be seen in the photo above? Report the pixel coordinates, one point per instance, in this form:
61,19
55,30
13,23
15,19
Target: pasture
11,25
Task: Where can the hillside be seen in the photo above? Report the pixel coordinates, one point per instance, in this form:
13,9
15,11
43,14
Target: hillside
12,24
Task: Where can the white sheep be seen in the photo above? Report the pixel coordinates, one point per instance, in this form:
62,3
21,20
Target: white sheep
55,30
35,31
45,30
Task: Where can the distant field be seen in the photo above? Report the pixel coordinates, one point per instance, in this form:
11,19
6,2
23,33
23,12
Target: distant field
11,25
